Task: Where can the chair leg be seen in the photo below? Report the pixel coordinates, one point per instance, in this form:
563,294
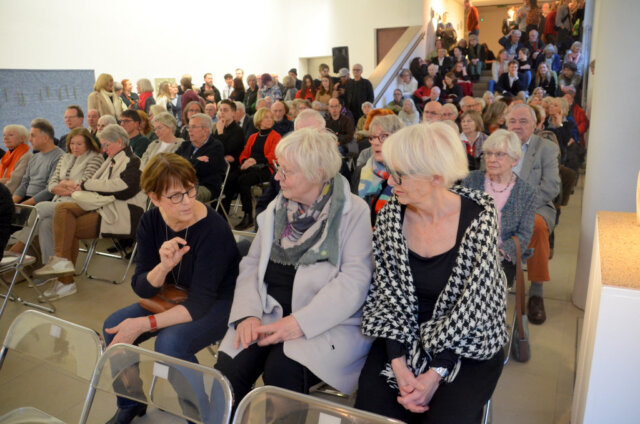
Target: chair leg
133,255
486,419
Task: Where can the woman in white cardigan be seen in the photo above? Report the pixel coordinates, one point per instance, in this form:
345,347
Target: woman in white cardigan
103,99
298,300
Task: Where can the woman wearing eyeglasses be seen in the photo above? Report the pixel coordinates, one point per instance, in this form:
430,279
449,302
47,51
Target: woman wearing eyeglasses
373,186
297,305
514,199
175,244
437,304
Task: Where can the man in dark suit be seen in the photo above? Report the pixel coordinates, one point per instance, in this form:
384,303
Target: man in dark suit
244,121
357,91
444,62
511,43
509,82
538,166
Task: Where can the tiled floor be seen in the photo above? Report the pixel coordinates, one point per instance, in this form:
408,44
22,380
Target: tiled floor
539,391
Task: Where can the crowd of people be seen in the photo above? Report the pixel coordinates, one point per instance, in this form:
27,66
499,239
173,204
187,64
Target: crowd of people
384,236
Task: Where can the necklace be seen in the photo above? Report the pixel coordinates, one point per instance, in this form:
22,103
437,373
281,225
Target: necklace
186,234
511,180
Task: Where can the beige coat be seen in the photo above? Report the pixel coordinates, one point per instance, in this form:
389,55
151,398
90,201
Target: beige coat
103,103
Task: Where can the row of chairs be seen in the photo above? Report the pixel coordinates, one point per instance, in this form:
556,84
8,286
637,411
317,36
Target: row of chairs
68,354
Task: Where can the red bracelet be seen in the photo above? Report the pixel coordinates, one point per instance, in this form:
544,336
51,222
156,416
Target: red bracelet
154,323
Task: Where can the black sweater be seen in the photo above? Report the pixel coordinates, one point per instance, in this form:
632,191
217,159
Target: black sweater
208,270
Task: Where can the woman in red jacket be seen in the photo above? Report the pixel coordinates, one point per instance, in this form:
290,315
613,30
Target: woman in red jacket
308,90
255,163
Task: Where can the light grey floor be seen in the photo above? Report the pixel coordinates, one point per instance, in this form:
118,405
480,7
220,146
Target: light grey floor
539,391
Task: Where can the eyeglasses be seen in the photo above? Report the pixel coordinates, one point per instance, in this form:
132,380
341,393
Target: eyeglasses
280,170
179,197
397,176
497,155
381,138
195,127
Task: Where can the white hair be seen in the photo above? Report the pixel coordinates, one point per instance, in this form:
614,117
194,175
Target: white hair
314,152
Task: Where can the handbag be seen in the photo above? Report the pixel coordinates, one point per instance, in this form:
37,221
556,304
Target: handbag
170,295
90,200
520,338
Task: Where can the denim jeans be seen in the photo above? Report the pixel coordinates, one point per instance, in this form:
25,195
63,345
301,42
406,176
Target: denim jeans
181,341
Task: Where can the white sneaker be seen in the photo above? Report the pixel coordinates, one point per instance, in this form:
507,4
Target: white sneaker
39,282
56,266
57,291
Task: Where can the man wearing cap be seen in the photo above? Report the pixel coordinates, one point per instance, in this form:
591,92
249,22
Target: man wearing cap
569,80
293,73
357,91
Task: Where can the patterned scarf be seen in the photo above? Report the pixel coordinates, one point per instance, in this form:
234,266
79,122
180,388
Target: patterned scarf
373,185
306,237
470,314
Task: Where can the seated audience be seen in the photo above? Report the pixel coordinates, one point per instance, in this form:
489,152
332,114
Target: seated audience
565,131
514,199
164,94
575,56
83,159
206,155
472,137
396,103
131,122
449,112
340,125
145,121
14,162
511,43
290,89
409,115
251,95
323,94
281,123
373,184
118,177
495,116
476,58
164,125
6,214
544,79
176,240
244,121
229,132
256,161
569,82
188,111
551,58
103,99
452,92
92,122
432,110
579,116
538,166
304,280
422,94
437,304
360,131
524,68
73,118
237,95
510,82
418,69
444,62
498,67
104,121
269,88
308,90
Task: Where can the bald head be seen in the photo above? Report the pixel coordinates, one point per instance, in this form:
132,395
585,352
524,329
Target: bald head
432,112
309,118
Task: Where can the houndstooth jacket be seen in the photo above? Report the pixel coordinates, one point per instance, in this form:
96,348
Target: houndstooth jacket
470,314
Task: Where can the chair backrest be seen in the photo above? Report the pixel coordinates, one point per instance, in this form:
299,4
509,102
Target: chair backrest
218,201
47,353
272,404
183,389
243,240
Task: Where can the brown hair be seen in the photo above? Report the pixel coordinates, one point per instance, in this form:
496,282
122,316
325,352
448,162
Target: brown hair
88,140
165,170
144,120
185,119
44,126
475,117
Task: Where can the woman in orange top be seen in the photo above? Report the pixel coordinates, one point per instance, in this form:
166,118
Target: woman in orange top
13,164
308,90
256,161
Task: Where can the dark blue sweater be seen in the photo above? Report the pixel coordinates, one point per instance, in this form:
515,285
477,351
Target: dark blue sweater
208,271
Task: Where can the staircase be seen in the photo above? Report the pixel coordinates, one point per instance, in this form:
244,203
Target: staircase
482,85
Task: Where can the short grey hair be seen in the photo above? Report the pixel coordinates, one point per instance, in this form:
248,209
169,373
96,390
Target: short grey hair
550,48
517,32
387,123
205,119
20,129
314,152
366,104
427,150
165,118
107,120
240,106
520,106
309,118
117,86
503,140
112,133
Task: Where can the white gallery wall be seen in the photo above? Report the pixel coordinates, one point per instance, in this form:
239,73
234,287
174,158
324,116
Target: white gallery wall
145,38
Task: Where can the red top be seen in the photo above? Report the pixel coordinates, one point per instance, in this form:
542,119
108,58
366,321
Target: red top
473,19
308,94
269,147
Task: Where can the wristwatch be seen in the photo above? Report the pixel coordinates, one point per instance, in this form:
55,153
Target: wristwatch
441,371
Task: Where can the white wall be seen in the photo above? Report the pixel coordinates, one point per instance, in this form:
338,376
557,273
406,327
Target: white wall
168,39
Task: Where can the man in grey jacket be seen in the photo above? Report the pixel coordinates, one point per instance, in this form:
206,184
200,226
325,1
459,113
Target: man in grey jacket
538,166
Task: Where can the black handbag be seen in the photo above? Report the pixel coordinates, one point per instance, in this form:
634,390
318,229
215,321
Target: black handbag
520,347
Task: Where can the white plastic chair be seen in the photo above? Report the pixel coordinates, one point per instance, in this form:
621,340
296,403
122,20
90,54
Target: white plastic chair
171,387
50,356
270,404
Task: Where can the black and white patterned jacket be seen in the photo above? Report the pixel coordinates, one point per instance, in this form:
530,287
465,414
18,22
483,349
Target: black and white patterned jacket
470,314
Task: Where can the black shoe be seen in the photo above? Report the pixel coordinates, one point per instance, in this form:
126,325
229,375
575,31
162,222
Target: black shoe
246,222
535,310
125,416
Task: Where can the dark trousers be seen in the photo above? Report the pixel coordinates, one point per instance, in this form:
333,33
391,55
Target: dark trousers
242,184
181,341
460,401
277,369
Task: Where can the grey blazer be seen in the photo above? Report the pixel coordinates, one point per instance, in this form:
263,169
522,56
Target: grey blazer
326,300
517,215
540,170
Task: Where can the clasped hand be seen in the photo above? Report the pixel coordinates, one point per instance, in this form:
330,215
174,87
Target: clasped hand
415,392
171,252
251,330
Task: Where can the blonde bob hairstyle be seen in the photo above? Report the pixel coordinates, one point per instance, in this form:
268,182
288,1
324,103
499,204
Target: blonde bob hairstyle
259,116
314,152
22,131
427,150
102,82
504,141
145,86
166,119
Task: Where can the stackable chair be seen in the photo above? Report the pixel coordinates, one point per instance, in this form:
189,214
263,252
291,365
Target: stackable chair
24,217
270,404
170,387
53,360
